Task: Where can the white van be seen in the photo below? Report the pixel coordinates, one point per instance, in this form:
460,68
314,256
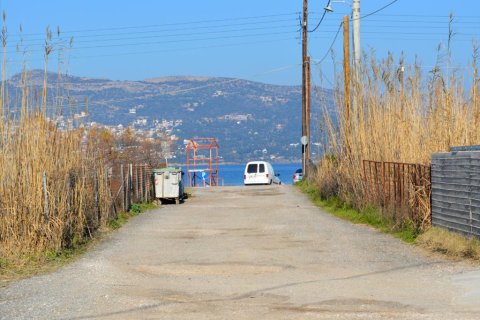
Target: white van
260,172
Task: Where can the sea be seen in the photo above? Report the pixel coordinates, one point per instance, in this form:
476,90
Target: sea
232,174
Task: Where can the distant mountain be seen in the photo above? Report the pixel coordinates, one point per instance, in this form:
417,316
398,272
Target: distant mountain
250,120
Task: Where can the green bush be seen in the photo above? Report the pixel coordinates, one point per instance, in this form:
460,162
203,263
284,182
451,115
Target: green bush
370,216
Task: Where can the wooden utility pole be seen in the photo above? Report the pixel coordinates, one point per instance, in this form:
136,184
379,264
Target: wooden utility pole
307,108
305,89
346,81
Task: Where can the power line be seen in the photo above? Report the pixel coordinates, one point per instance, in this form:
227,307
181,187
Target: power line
321,19
166,24
409,15
424,23
378,10
249,35
189,40
341,24
113,45
316,64
333,42
103,40
184,49
362,17
97,35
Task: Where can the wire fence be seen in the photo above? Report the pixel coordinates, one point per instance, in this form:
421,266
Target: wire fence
130,183
404,189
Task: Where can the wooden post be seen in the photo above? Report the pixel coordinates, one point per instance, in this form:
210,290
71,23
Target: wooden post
144,177
97,196
140,182
305,92
383,185
130,185
136,184
365,181
123,188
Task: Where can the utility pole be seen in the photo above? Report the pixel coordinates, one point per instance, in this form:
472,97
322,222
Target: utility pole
356,53
305,89
356,33
346,82
346,71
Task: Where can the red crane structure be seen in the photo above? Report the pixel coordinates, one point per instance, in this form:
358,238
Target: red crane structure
202,162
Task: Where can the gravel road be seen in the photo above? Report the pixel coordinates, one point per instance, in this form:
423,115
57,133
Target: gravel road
248,253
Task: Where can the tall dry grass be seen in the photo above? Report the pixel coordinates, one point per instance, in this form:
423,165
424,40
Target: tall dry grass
47,188
400,114
53,189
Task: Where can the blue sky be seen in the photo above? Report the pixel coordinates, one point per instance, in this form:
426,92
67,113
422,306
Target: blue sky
251,39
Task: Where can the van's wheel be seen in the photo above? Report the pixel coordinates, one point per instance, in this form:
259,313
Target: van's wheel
270,182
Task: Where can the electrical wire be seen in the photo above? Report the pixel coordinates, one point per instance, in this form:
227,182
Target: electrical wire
317,65
341,24
423,23
171,35
165,24
321,19
376,11
184,40
184,49
362,17
97,35
333,42
406,15
188,40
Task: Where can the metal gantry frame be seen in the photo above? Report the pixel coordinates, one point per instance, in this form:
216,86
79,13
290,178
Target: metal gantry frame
202,162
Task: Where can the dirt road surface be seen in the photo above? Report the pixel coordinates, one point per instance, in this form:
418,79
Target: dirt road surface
248,253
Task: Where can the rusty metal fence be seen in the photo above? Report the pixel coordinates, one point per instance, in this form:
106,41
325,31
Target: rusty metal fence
403,189
130,183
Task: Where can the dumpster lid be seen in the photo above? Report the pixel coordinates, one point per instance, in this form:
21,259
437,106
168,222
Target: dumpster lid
168,169
465,148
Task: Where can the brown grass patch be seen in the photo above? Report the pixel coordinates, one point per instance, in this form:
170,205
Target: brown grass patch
450,244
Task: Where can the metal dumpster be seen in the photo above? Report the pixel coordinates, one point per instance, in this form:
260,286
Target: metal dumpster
168,184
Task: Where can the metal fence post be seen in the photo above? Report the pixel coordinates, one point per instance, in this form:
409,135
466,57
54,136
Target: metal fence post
96,197
135,186
130,185
123,188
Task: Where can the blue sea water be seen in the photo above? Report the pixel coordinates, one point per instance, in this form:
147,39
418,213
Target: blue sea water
232,175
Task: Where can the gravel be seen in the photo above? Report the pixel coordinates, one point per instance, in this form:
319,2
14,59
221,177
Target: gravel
248,253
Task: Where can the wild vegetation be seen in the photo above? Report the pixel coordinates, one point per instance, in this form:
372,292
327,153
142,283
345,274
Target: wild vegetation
397,113
54,182
454,245
53,191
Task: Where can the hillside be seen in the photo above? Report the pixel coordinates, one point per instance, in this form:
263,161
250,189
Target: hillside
251,120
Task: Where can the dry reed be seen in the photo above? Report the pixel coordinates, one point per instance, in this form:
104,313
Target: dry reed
398,114
53,190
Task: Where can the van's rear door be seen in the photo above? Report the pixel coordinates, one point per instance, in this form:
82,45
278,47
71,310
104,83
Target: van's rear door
251,174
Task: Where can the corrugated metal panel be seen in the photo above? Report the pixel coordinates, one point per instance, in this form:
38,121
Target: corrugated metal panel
456,191
465,148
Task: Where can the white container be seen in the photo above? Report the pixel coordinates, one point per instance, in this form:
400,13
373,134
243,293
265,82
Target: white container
168,184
